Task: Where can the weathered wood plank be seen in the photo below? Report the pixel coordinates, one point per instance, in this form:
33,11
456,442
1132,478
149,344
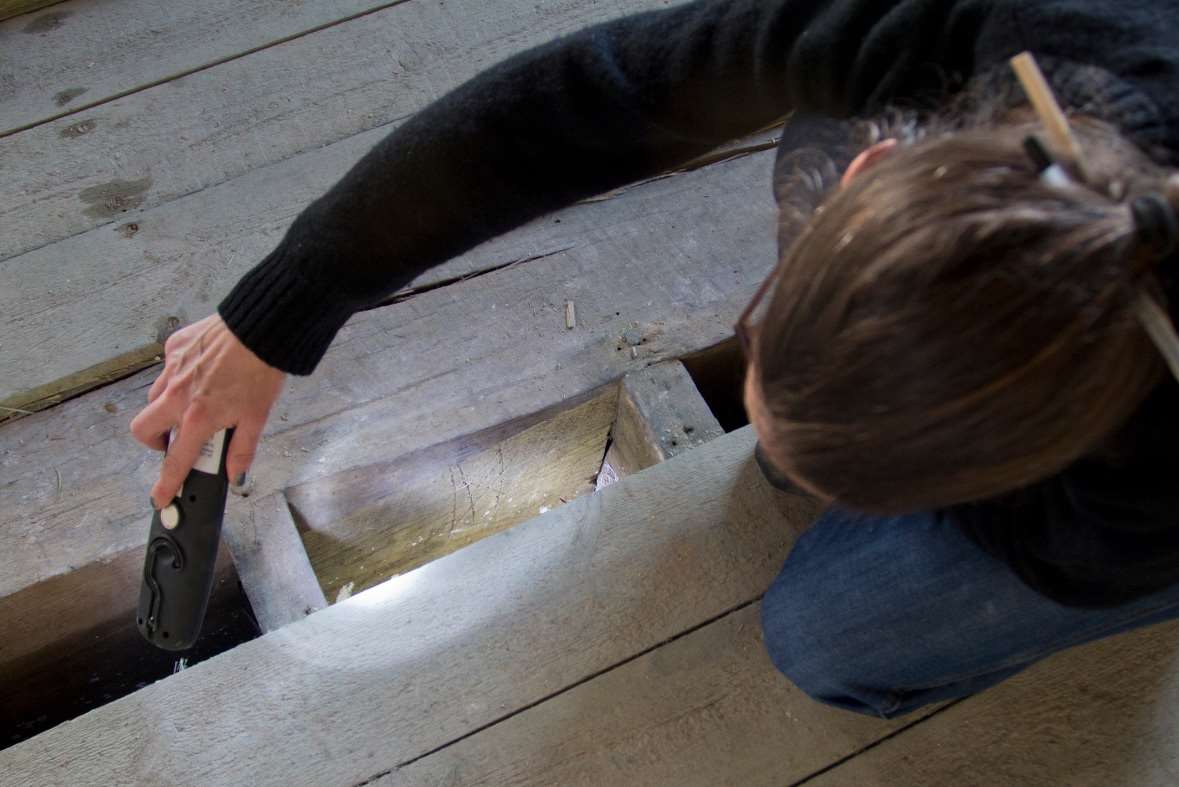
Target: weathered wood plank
660,255
660,414
707,709
395,672
1103,714
11,8
272,564
107,163
446,364
364,526
123,285
50,394
82,53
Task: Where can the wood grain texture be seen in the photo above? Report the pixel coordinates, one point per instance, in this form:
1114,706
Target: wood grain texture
52,393
1099,715
447,363
660,414
106,164
431,503
707,709
11,8
272,564
74,304
388,675
82,53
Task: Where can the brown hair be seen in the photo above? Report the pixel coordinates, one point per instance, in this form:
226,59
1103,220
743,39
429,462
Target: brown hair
948,327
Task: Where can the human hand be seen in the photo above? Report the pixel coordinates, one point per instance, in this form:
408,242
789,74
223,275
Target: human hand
211,381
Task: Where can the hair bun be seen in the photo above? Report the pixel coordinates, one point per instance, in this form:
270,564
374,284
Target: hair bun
1155,224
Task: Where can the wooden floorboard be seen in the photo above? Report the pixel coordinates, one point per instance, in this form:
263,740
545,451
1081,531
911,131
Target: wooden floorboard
82,53
1100,715
106,164
124,285
707,709
448,363
399,671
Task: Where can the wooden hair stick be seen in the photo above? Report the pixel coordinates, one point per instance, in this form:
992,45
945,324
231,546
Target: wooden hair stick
1060,136
1154,318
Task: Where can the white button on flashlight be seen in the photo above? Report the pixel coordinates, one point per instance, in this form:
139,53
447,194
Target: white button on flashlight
170,516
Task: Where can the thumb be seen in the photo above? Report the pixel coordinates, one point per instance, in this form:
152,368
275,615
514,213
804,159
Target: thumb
242,449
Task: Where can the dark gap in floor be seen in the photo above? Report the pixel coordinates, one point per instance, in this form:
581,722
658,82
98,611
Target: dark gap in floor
74,676
719,374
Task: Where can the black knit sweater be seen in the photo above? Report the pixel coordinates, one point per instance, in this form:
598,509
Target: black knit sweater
630,98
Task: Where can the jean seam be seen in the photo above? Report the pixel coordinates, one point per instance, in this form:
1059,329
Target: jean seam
1089,636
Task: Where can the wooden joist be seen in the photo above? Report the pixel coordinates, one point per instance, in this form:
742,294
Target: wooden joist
365,525
351,692
660,414
272,564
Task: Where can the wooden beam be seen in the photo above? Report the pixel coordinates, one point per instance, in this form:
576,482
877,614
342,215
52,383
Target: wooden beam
1105,713
660,414
706,709
400,670
106,164
366,525
272,564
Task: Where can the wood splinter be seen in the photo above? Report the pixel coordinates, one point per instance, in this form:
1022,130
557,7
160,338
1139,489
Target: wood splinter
570,315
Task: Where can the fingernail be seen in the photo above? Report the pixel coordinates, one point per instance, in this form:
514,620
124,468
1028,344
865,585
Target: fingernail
154,507
240,480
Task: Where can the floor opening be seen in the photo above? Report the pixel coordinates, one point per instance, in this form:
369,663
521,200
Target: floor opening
79,672
719,374
369,524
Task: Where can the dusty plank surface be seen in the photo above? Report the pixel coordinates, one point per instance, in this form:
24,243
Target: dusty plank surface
104,164
707,709
272,564
73,480
386,676
1103,714
364,526
50,394
11,8
74,304
81,53
660,414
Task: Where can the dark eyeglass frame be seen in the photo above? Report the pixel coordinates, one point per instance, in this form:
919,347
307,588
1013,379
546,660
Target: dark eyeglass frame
744,328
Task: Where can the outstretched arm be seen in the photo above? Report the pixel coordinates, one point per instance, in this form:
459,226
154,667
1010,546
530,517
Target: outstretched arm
579,116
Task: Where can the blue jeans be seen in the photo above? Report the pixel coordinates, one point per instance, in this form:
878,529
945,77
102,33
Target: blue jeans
883,615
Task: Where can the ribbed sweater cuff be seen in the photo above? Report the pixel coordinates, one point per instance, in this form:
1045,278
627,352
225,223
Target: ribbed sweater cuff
284,319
